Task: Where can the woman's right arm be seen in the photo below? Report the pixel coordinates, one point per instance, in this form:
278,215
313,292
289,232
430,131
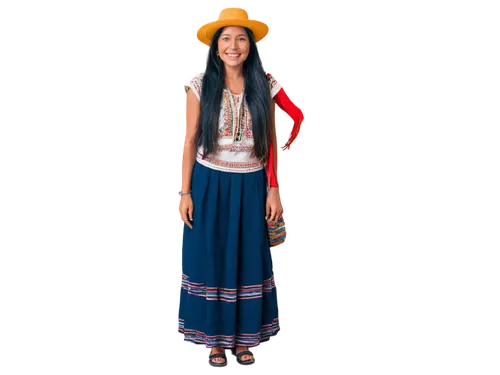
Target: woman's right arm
188,156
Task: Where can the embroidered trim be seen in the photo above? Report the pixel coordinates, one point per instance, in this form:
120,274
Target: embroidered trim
234,147
227,294
226,118
195,83
229,341
230,166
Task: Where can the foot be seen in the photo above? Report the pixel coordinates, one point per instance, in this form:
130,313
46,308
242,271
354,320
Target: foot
244,357
217,359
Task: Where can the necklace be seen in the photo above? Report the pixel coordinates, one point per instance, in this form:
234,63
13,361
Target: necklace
240,108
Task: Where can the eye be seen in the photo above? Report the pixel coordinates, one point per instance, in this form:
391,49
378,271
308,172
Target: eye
242,38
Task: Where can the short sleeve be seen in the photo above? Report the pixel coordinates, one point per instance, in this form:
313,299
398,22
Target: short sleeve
274,86
195,84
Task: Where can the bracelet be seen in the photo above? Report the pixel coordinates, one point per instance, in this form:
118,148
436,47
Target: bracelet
181,193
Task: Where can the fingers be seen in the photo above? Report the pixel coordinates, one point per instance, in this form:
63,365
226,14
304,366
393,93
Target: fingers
190,211
276,213
279,214
273,214
186,211
185,219
268,211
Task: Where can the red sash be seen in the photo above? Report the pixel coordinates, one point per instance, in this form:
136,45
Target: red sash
295,113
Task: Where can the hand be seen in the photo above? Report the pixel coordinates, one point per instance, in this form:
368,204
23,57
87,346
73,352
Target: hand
274,210
186,209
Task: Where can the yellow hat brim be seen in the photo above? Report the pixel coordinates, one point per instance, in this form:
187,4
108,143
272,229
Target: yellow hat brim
206,32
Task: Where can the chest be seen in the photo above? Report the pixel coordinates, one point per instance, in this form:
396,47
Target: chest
235,122
235,86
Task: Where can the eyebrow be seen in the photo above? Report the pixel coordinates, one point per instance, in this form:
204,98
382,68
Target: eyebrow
236,35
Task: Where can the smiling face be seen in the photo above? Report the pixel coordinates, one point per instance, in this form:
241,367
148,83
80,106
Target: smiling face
233,45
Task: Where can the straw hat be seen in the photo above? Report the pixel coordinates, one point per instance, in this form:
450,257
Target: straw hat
232,17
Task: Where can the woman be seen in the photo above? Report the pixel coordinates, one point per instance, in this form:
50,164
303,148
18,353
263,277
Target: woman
229,189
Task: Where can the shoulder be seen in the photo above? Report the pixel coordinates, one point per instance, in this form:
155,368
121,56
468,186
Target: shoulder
274,85
195,84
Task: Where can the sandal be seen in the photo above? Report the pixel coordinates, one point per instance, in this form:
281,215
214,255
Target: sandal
240,354
217,355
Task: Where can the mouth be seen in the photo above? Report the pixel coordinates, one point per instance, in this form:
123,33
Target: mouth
233,56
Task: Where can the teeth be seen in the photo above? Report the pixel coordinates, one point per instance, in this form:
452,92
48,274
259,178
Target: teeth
232,54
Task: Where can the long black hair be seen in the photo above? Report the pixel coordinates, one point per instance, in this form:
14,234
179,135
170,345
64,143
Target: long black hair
256,94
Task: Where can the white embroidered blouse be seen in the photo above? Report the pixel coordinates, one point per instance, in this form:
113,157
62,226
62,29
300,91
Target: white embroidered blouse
235,143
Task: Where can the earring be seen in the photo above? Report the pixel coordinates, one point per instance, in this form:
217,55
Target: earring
218,53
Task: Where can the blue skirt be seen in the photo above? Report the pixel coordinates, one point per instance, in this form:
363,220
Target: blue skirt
228,295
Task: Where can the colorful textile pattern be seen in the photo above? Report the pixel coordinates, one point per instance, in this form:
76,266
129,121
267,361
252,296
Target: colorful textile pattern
276,232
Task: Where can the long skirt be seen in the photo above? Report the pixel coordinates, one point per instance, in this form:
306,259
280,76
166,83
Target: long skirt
228,294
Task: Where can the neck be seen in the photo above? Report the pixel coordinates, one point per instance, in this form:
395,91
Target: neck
233,72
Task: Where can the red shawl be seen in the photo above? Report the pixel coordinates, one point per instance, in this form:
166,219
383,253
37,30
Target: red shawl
295,113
